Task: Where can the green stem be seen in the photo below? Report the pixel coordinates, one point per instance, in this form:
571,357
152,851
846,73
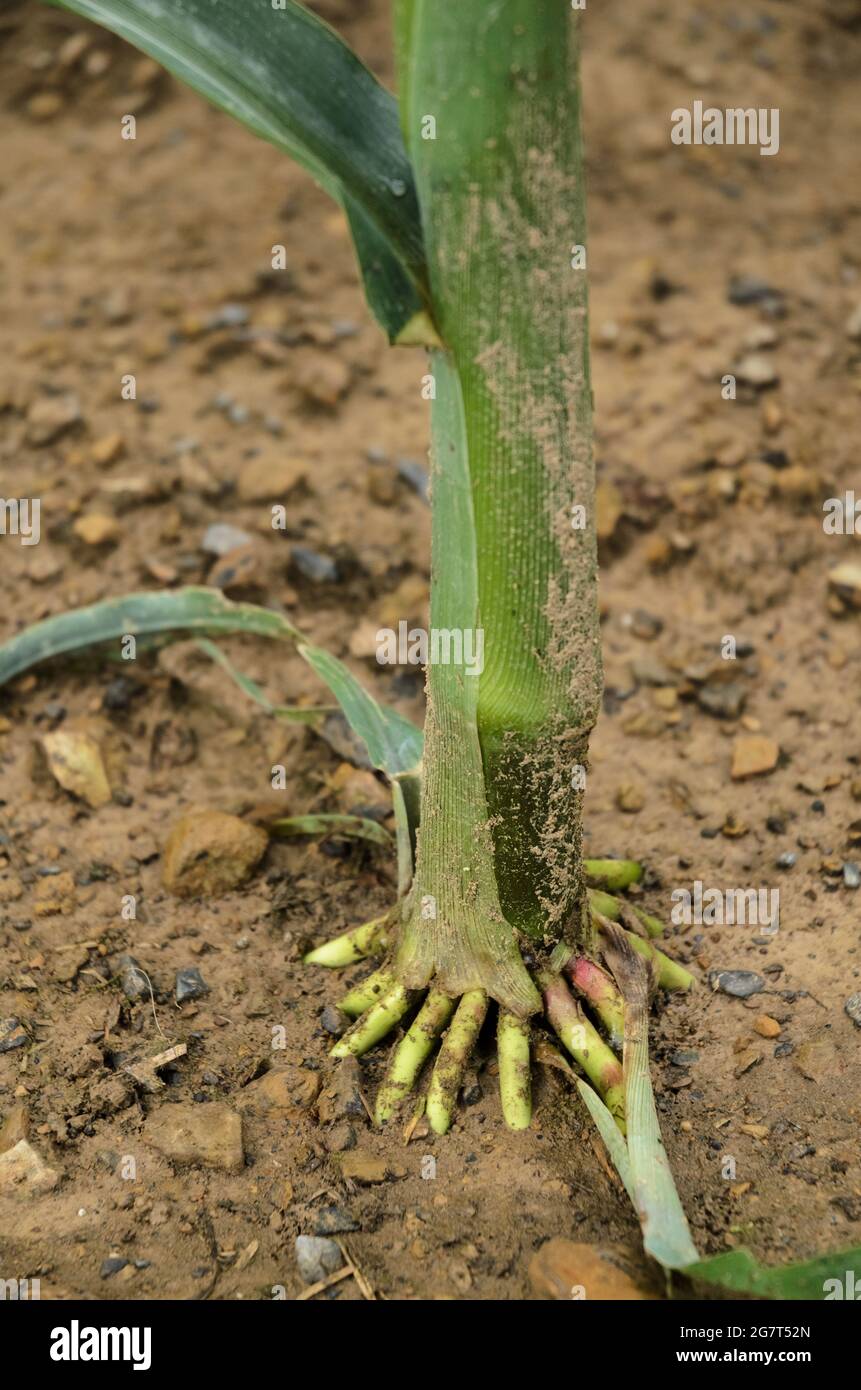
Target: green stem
454,932
502,197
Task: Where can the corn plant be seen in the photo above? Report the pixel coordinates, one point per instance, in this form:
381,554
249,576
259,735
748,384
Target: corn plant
466,204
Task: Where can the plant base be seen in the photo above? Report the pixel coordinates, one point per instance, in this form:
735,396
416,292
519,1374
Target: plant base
575,993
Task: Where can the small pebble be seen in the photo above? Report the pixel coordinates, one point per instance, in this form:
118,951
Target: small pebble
416,475
190,984
797,1151
317,1257
333,1020
119,693
221,538
12,1035
852,1007
334,1221
112,1265
133,981
643,625
44,105
851,875
787,860
740,984
753,755
229,316
757,371
630,798
750,289
724,699
320,569
471,1091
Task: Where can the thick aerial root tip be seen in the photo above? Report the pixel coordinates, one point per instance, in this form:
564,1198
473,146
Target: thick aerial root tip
375,1024
604,904
515,1077
412,1053
585,1044
613,874
369,992
366,940
601,993
453,1057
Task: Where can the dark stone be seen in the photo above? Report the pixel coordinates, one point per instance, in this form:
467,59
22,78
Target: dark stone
471,1092
416,475
319,569
725,699
334,1221
740,984
775,458
337,849
190,984
12,1035
119,693
333,1020
133,981
751,289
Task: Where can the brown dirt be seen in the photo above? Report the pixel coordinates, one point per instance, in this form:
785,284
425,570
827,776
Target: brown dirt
112,256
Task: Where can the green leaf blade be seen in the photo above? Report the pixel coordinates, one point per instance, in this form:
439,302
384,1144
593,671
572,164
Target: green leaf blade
170,615
738,1271
394,744
666,1235
351,827
290,78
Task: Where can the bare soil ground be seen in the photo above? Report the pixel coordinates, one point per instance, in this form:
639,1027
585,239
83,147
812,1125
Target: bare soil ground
119,257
